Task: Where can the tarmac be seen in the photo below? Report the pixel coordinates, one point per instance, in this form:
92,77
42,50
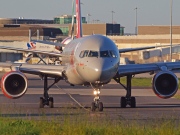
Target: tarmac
149,106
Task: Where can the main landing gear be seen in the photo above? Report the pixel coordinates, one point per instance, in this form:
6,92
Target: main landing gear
128,99
97,103
46,100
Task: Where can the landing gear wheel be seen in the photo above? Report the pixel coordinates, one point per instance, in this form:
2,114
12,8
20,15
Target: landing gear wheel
51,102
93,106
41,102
123,102
100,106
133,102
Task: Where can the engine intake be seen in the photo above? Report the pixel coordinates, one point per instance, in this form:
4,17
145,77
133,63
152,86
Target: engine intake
165,84
14,84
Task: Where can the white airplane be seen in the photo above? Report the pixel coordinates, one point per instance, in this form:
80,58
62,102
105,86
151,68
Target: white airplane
89,61
49,46
43,46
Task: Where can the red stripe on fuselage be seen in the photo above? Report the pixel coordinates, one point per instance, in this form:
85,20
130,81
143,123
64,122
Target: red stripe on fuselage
81,64
72,57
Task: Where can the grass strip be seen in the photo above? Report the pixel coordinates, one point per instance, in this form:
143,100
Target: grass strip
85,125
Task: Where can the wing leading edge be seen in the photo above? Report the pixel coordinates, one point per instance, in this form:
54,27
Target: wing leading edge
47,43
133,69
33,51
49,70
140,48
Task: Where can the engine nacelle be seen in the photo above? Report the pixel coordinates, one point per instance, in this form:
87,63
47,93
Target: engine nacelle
165,84
14,84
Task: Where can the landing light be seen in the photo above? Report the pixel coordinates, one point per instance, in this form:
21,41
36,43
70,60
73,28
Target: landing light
96,92
96,69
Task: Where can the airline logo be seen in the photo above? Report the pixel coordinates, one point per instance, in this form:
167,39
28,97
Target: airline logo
31,45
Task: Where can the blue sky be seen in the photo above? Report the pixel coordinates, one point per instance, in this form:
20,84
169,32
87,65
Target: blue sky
150,12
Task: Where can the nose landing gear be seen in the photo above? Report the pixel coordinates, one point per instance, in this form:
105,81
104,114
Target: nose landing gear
97,103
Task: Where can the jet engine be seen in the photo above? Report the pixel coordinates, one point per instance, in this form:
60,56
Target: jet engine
165,84
14,84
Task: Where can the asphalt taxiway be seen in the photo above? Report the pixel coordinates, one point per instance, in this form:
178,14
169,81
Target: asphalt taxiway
149,106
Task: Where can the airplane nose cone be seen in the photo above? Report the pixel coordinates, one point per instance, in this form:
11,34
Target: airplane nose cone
101,71
98,74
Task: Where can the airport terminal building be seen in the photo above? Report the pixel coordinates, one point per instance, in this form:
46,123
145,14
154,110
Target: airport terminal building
20,29
22,20
13,29
89,28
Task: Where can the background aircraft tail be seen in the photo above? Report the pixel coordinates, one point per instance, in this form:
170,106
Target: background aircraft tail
31,45
78,19
72,24
78,23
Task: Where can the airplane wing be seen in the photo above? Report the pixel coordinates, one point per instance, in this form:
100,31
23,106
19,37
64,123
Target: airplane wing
133,69
49,70
141,48
46,42
33,51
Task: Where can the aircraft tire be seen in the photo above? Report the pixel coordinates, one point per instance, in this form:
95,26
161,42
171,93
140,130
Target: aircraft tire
133,102
93,106
100,106
51,102
41,102
123,102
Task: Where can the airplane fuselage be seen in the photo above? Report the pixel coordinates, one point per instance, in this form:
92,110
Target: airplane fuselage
93,59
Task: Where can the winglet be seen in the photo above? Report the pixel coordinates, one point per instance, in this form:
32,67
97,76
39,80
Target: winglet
78,19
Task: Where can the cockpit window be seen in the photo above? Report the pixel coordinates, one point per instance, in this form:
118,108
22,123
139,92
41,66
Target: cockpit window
81,54
87,53
84,53
113,54
93,54
104,54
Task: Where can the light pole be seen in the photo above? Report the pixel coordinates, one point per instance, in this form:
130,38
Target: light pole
88,17
136,21
171,3
112,16
96,21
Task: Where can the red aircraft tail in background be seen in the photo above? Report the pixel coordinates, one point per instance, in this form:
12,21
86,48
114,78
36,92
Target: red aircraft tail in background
78,19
